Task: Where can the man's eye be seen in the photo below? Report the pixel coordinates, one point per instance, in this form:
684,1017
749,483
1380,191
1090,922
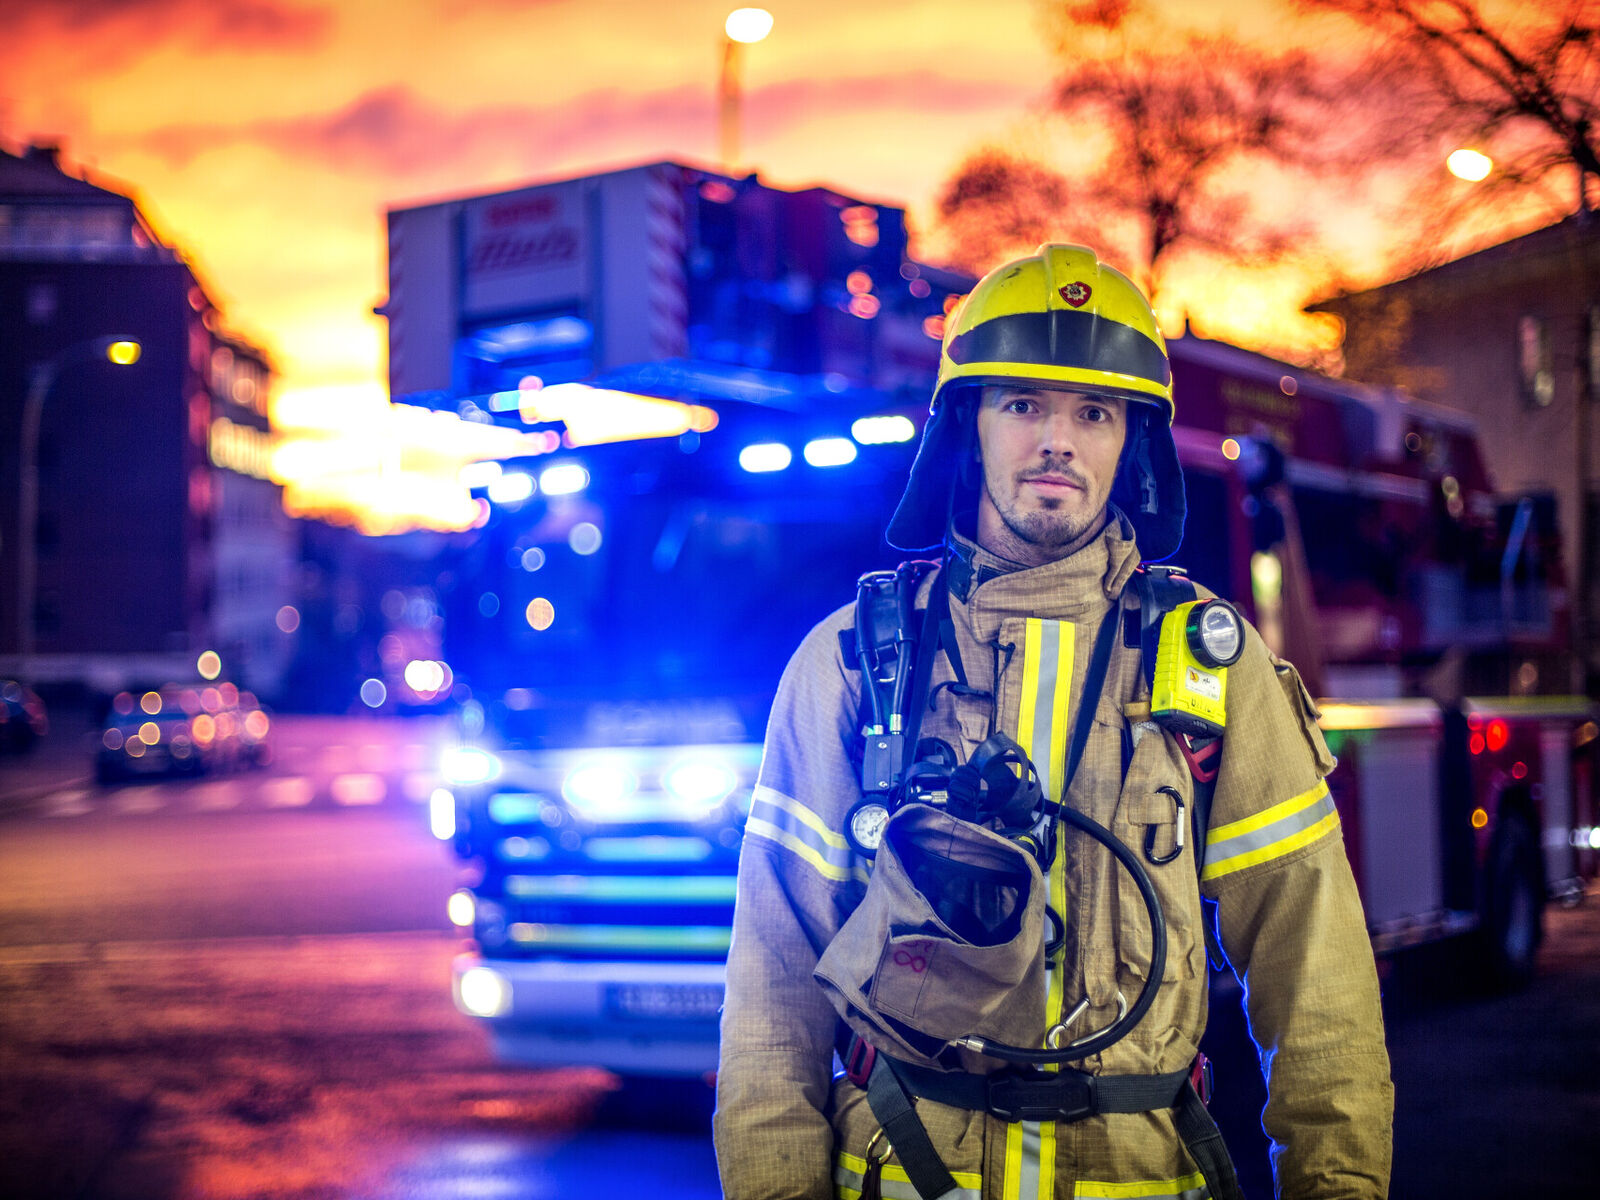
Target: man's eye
1095,414
1017,406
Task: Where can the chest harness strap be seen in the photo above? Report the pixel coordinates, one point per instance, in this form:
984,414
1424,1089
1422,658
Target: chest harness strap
1027,1093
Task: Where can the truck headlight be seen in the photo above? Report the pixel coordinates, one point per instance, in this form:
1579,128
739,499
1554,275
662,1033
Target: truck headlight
700,783
484,992
468,764
595,789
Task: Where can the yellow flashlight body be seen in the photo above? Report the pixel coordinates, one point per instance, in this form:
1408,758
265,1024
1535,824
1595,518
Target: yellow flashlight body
1185,695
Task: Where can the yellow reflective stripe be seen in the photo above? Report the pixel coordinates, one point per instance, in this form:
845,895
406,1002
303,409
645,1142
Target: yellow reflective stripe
1278,849
1189,1187
1013,1178
966,1180
789,842
801,813
1270,834
1032,630
1267,816
1047,1160
1055,994
1042,730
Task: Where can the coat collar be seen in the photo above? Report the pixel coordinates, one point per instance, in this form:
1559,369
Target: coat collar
1073,588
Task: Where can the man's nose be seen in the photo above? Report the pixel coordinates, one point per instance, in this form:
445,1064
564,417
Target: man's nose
1056,436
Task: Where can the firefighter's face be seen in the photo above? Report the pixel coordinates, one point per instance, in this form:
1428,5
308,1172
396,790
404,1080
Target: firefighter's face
1048,458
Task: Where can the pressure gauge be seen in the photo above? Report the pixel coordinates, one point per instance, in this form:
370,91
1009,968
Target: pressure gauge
1215,632
864,824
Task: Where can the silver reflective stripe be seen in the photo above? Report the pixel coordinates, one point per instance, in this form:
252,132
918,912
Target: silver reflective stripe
784,820
1270,834
1261,838
1045,702
1028,1164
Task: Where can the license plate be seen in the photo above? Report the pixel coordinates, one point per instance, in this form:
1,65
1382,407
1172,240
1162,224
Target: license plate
665,1001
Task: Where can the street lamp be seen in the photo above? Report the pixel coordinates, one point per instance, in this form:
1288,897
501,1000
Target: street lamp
123,352
1473,166
744,26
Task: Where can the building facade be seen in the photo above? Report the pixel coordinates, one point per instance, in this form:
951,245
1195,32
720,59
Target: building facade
156,532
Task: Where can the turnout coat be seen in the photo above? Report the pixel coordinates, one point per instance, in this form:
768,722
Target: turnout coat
1288,913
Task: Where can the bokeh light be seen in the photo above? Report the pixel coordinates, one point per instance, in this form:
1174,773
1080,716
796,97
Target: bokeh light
541,613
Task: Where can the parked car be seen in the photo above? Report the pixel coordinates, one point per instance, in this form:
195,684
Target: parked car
186,729
22,717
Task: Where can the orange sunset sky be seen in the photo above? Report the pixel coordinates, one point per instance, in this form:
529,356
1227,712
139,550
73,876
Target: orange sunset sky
265,138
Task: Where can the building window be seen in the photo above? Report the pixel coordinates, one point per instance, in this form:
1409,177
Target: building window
1535,372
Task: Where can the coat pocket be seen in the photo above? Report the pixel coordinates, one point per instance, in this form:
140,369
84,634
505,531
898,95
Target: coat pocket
1305,712
1154,820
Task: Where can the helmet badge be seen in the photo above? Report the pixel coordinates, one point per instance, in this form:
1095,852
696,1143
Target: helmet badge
1076,293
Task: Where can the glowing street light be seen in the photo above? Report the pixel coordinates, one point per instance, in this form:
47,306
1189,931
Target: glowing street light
1470,165
748,25
744,26
123,352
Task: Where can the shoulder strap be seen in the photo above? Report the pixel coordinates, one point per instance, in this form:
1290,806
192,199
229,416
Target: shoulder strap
1160,590
881,645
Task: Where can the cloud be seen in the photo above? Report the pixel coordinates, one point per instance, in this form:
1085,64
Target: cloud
394,131
248,24
399,133
924,90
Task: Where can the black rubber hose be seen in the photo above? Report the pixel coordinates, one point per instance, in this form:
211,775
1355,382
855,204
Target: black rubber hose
869,682
1124,1024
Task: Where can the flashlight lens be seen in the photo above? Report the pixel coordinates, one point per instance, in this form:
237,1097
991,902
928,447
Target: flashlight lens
1221,633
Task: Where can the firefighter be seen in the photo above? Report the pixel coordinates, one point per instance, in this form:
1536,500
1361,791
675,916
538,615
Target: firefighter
1047,473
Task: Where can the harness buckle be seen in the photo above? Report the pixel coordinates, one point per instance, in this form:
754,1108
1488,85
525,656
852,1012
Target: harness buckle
1068,1095
859,1057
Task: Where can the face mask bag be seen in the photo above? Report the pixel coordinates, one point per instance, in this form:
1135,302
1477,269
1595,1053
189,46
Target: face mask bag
946,942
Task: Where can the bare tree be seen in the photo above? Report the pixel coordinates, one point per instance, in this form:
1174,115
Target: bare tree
1182,127
1523,87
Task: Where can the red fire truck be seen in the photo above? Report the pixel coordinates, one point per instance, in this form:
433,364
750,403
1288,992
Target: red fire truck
1361,531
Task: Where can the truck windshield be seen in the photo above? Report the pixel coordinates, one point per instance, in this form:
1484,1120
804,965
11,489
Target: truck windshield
662,602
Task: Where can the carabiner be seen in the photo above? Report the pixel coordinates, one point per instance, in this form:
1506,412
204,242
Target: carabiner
1053,1038
1177,835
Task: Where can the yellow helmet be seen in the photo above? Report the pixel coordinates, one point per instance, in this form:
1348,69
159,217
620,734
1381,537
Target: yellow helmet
1059,318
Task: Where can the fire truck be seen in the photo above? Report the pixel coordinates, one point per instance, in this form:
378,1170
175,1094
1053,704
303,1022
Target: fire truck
620,621
1361,531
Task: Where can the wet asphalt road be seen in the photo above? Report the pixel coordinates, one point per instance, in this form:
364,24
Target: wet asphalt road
238,988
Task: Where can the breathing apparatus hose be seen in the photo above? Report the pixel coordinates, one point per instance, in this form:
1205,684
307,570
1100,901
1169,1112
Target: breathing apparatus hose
1124,1024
